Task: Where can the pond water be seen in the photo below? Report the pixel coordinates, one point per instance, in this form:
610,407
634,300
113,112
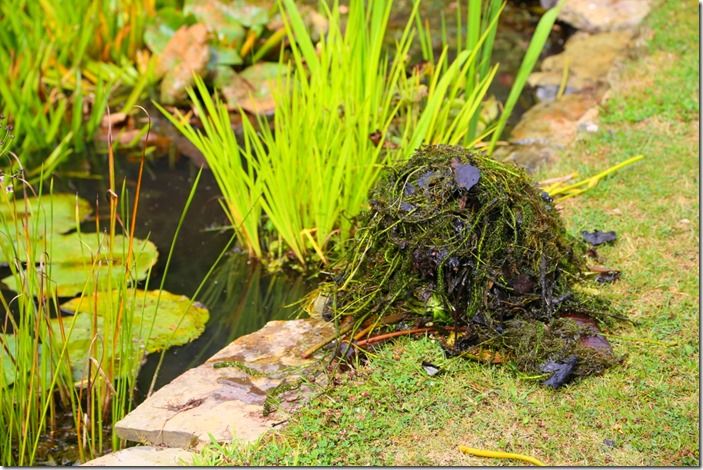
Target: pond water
240,295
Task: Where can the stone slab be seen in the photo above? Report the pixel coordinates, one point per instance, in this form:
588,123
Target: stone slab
548,127
557,122
227,402
588,58
602,15
143,456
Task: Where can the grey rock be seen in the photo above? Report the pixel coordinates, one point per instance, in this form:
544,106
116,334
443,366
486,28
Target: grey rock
530,156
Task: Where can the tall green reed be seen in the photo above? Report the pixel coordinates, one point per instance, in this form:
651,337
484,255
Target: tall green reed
346,109
39,381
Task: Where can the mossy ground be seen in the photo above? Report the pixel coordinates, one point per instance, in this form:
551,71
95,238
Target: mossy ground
645,412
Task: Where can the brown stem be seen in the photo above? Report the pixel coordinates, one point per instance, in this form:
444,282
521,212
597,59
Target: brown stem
394,334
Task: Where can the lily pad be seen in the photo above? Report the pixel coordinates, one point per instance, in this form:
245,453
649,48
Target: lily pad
176,321
74,248
91,270
54,213
8,351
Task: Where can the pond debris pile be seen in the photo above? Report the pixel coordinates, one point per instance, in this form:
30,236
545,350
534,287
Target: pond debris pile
458,243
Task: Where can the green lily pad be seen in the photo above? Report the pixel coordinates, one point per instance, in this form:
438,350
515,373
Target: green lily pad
50,213
83,266
8,353
221,56
175,322
74,248
161,30
8,350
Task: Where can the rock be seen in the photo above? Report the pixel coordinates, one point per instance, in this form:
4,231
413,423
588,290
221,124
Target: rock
227,402
547,128
143,456
555,123
531,157
588,57
602,15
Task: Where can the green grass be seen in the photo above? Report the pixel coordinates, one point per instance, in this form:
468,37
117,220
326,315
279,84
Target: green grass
644,412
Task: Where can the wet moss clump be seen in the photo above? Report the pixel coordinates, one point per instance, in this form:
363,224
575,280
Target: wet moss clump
458,241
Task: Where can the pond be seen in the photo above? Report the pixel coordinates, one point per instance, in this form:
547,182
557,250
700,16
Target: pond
240,294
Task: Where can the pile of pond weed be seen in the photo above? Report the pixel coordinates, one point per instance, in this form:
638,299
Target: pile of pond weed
459,241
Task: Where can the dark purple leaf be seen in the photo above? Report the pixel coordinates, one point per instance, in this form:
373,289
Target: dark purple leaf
561,371
607,277
466,176
598,238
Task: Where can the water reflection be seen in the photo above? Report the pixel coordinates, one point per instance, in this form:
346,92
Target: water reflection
241,296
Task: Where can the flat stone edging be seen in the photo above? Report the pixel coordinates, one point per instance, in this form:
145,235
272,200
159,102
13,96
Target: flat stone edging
140,456
590,56
226,403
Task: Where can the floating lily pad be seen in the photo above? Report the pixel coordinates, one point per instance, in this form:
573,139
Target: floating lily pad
8,353
8,350
90,270
50,213
175,322
74,248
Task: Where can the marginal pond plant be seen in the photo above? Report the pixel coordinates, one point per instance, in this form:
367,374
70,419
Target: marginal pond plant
345,108
75,327
53,84
57,77
457,243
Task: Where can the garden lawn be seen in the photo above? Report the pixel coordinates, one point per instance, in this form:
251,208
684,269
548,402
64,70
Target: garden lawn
645,412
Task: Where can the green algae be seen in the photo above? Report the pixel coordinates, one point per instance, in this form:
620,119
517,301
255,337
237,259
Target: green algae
456,239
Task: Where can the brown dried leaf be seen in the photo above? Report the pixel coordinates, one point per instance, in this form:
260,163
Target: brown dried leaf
185,54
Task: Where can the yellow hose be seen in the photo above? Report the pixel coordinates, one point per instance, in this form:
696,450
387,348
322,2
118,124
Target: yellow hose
496,454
